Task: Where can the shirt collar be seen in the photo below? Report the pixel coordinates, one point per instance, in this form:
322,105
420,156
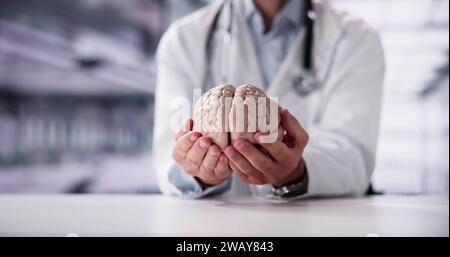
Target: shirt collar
291,12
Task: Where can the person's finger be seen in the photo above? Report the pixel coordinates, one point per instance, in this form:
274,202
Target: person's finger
209,161
185,128
241,163
278,149
222,169
198,150
183,145
242,176
293,128
257,159
247,179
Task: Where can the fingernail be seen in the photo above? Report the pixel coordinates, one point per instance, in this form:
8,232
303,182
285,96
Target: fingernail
241,145
194,137
223,159
204,143
230,152
186,127
214,152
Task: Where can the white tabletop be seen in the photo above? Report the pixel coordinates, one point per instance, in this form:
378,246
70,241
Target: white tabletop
156,215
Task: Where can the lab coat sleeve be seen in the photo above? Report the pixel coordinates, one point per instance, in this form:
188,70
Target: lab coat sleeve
174,81
340,156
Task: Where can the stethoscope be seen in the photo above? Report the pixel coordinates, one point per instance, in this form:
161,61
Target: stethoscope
304,83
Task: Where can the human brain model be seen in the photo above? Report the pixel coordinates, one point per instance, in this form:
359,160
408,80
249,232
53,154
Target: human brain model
226,114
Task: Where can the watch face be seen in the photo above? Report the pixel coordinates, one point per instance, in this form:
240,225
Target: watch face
294,194
294,190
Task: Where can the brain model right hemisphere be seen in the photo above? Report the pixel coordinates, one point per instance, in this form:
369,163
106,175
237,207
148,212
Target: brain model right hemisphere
226,114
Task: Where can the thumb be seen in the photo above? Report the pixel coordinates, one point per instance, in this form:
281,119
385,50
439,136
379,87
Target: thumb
293,128
185,128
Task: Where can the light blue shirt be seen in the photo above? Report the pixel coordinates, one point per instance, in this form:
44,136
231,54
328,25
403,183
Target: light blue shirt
273,46
271,49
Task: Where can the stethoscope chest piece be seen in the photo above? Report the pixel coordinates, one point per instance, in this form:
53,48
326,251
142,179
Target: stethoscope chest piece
305,83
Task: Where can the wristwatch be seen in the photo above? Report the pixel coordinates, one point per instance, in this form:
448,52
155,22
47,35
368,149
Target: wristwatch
293,190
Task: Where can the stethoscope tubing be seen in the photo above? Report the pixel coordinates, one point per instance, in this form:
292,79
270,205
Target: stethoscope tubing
303,85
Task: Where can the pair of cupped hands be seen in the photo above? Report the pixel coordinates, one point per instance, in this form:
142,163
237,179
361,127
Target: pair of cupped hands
279,164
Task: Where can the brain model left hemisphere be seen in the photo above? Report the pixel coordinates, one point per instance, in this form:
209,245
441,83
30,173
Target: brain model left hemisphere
226,114
211,114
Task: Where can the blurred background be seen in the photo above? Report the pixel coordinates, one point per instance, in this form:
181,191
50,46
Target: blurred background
77,81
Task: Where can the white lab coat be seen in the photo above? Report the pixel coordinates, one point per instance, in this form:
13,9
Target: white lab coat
342,118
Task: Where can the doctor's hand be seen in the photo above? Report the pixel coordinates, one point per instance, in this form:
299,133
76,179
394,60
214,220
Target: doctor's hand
281,166
199,157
